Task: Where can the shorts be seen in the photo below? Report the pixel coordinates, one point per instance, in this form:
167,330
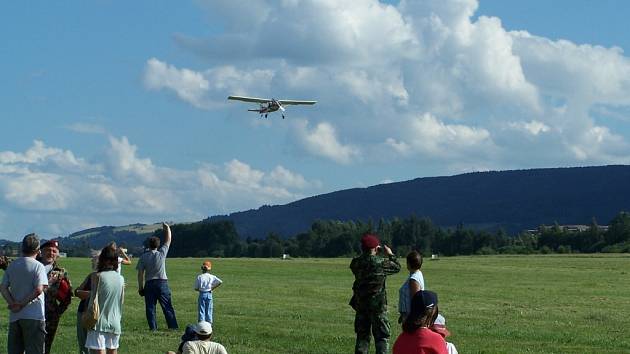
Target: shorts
101,340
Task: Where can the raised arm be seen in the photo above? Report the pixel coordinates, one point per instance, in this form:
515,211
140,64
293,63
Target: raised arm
390,265
125,258
167,234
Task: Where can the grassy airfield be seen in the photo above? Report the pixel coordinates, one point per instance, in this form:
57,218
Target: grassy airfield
493,304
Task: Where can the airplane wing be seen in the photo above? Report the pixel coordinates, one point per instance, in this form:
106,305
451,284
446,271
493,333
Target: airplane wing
249,99
289,102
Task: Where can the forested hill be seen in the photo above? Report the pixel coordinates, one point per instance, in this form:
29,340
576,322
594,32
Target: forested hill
513,200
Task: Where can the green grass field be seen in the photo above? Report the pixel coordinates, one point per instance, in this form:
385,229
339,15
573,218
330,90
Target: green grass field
493,304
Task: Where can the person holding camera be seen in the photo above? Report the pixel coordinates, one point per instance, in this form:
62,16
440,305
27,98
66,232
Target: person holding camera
58,295
123,258
369,298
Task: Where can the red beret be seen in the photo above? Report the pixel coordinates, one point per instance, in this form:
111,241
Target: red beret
50,243
369,241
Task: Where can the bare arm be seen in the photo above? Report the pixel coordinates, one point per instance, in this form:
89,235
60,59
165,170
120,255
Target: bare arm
414,287
140,280
125,258
82,294
81,291
216,286
6,294
17,305
167,234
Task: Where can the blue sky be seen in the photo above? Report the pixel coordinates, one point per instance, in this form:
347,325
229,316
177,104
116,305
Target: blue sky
115,112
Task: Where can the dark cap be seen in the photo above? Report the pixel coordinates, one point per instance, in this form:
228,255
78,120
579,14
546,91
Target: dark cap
50,243
369,241
423,300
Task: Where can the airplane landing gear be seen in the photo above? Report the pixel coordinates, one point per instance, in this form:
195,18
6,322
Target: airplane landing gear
283,116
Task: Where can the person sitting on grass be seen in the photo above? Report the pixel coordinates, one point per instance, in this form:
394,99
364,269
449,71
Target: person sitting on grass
417,337
201,342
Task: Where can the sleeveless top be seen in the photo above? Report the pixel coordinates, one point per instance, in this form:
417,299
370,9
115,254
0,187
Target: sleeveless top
404,300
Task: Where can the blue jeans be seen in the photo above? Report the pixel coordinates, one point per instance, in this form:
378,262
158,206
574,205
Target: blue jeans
205,306
157,290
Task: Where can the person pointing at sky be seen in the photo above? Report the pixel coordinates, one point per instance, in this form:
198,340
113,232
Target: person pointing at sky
152,280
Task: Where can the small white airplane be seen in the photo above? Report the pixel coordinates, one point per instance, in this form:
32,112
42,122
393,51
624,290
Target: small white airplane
268,105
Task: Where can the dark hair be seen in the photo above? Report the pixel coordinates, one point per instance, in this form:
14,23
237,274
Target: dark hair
419,316
108,259
154,242
414,260
30,244
204,336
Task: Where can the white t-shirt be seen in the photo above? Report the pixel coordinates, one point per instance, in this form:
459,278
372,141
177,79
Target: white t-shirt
203,347
206,281
21,277
451,348
120,259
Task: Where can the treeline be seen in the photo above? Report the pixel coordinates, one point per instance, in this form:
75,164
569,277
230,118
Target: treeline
327,238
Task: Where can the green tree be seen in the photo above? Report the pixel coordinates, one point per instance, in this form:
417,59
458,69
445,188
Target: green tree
618,229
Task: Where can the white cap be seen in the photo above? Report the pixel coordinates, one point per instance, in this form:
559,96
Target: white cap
204,328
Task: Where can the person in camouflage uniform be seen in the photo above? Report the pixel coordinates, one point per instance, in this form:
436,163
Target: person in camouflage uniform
59,292
369,298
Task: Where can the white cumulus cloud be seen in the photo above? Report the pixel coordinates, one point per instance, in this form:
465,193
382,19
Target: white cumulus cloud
432,67
322,141
125,187
189,85
533,127
429,136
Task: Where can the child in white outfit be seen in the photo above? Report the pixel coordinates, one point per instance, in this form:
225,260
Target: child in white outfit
205,284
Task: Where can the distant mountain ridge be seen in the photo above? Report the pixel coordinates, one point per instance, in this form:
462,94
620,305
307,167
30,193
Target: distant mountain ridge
513,200
130,235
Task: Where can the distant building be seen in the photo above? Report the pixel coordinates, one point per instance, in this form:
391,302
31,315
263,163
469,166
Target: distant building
567,228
